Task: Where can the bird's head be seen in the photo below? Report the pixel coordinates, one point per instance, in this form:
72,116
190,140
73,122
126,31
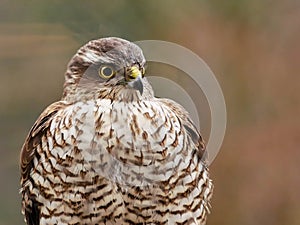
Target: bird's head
106,68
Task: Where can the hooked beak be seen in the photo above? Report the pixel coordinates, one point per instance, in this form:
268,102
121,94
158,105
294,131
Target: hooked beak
134,79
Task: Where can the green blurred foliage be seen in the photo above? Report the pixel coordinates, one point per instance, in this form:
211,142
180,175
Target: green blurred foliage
134,19
241,11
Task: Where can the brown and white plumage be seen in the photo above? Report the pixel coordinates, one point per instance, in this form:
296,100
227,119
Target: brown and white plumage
109,152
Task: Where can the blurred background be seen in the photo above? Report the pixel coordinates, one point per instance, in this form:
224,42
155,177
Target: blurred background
252,47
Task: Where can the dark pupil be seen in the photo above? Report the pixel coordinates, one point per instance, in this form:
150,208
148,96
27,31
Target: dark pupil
107,71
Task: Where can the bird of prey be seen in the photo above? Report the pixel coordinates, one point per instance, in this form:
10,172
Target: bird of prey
110,152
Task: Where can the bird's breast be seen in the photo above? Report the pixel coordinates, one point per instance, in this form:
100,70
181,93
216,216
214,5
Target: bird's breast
119,158
137,143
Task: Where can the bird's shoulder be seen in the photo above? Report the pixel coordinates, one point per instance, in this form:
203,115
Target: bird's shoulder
34,137
187,124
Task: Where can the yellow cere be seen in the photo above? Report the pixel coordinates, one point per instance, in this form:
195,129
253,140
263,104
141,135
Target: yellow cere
135,72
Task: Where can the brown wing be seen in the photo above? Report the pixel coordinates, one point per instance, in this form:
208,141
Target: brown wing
189,126
30,206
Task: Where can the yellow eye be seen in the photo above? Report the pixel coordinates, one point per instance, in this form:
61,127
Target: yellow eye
106,72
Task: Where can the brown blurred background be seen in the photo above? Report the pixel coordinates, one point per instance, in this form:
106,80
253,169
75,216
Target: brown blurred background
252,47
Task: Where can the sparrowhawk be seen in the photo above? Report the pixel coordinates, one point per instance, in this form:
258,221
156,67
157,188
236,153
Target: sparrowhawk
110,152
